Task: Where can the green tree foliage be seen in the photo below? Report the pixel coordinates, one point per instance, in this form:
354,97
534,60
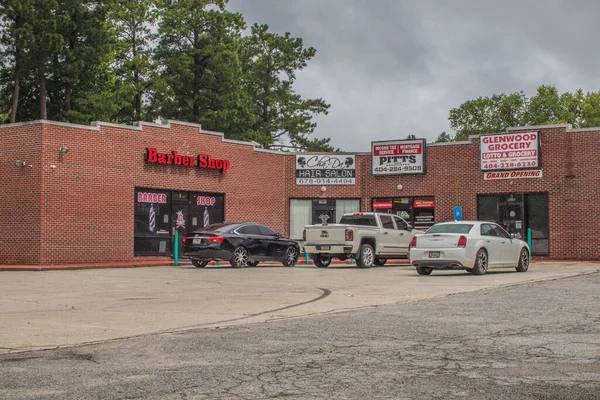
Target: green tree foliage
200,75
134,68
80,88
16,31
279,116
129,60
444,138
485,115
56,58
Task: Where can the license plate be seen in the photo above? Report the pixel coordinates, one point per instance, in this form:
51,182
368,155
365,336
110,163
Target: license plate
434,254
197,241
324,248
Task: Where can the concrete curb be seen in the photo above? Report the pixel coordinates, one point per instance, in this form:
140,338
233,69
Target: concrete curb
186,263
143,264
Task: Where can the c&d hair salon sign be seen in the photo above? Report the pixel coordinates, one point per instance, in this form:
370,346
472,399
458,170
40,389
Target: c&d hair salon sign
323,169
510,151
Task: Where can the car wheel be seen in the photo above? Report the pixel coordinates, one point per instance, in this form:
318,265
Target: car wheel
380,262
366,257
424,270
252,263
199,263
240,257
291,257
481,263
523,261
322,261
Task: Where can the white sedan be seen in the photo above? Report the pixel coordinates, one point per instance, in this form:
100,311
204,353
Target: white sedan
474,246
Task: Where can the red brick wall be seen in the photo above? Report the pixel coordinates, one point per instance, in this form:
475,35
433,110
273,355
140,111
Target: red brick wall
87,201
78,206
571,177
20,190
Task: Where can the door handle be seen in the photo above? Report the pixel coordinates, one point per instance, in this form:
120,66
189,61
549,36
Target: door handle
385,233
504,242
487,241
401,233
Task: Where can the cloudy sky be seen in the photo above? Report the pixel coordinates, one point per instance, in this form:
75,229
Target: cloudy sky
390,68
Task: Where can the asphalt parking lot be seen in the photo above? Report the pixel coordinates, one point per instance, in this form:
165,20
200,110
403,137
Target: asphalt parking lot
48,309
400,336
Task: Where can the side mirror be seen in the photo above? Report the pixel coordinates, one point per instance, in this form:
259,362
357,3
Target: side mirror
512,235
409,227
278,235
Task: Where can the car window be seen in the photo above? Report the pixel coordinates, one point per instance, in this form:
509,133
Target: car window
387,222
249,230
265,231
500,232
217,228
487,230
363,220
401,224
451,228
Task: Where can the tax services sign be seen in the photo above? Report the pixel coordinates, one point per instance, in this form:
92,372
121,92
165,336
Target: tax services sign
398,157
510,151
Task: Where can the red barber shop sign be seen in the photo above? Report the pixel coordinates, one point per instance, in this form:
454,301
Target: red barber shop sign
201,161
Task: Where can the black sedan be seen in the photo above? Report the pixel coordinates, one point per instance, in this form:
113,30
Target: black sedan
242,244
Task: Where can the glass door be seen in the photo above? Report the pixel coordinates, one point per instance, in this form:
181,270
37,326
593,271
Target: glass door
511,214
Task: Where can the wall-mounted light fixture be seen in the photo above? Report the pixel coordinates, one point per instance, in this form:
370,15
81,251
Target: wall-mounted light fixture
399,187
20,163
323,188
63,149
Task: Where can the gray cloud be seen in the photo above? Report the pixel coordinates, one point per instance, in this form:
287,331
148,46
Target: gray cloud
391,68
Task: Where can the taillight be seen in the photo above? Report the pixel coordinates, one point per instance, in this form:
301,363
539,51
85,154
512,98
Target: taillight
304,235
349,235
413,242
215,239
462,241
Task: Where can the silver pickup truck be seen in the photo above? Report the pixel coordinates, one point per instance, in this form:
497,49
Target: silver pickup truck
369,238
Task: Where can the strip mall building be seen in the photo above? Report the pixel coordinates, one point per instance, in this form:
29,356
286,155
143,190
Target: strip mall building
111,193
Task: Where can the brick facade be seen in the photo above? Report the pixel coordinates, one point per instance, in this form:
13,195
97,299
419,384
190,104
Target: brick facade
78,206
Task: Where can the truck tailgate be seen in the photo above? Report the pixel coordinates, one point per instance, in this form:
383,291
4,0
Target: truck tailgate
326,234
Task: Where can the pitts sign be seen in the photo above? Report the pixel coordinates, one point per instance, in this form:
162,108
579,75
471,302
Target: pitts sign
202,161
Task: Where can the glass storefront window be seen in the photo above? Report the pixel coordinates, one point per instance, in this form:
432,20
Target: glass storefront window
314,211
418,211
536,206
152,222
518,213
157,212
423,212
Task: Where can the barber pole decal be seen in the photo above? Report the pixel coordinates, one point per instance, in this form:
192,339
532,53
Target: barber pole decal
206,219
152,218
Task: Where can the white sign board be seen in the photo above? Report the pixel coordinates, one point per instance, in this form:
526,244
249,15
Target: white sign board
510,151
325,169
398,157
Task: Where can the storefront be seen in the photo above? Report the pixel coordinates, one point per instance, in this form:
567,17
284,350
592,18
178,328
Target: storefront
112,193
523,214
417,211
158,213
